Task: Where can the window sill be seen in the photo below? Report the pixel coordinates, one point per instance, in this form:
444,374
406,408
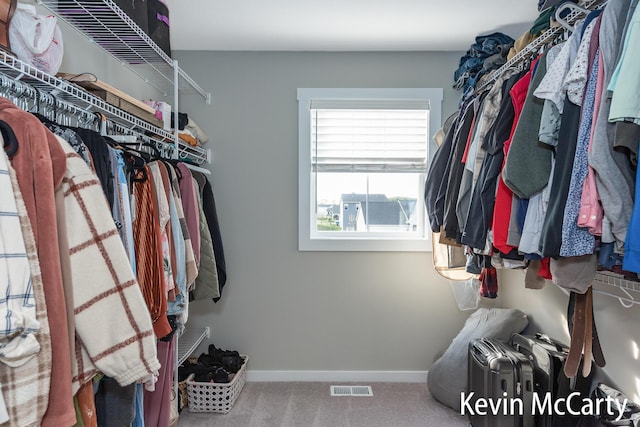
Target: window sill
365,245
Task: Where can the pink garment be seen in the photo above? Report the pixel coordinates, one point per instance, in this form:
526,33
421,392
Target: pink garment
157,404
591,212
191,210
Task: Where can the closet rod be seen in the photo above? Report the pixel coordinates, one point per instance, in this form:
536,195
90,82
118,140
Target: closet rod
197,168
72,94
29,98
544,39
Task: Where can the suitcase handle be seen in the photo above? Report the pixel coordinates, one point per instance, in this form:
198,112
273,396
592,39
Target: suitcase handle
544,337
479,350
482,348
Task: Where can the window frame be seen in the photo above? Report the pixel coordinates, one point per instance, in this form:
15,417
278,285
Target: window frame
350,242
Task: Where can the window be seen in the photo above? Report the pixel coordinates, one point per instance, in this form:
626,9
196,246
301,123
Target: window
363,157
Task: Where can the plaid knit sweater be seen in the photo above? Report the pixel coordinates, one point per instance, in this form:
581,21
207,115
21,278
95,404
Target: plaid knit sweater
114,334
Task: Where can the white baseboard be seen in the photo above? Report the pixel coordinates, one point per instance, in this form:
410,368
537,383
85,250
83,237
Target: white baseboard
338,376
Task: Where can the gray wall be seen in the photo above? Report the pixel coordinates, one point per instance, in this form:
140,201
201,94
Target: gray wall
293,310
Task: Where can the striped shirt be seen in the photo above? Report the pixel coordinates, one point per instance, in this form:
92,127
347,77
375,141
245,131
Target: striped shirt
26,388
17,305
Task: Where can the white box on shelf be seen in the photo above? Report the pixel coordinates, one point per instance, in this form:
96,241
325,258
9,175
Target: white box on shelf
163,112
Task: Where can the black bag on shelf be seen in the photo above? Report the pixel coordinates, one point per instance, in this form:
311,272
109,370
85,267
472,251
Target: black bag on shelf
136,10
158,24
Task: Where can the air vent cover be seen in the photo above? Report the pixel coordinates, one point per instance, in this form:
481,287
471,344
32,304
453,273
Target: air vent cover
351,390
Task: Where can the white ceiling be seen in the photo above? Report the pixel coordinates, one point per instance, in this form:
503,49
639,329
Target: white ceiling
343,25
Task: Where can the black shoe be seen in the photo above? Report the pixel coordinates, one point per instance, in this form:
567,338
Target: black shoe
232,363
207,360
220,375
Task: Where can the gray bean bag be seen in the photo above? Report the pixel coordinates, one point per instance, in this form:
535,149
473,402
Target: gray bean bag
448,376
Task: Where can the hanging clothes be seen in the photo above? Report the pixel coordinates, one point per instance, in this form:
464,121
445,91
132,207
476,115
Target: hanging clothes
483,197
41,160
149,260
625,83
17,307
591,213
210,212
450,187
551,239
26,388
191,267
537,205
615,179
157,403
504,195
101,159
18,338
475,155
564,199
528,164
577,241
206,285
190,205
436,180
115,405
104,286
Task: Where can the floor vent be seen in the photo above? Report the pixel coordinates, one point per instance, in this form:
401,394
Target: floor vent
351,390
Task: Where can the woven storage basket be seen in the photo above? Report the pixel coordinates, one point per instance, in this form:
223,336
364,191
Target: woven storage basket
216,397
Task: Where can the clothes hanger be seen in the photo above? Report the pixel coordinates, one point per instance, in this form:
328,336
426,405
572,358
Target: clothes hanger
54,108
136,147
40,104
86,120
135,165
37,95
23,94
172,165
568,7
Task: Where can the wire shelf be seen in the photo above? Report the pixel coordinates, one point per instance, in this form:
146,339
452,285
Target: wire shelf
189,341
613,279
82,100
616,286
105,24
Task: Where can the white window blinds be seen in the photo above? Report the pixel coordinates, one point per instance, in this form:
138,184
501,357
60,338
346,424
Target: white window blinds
369,136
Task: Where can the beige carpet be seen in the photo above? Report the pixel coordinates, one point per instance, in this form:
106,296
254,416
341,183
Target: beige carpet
310,405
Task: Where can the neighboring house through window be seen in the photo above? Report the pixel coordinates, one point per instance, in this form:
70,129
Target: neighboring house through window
363,157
